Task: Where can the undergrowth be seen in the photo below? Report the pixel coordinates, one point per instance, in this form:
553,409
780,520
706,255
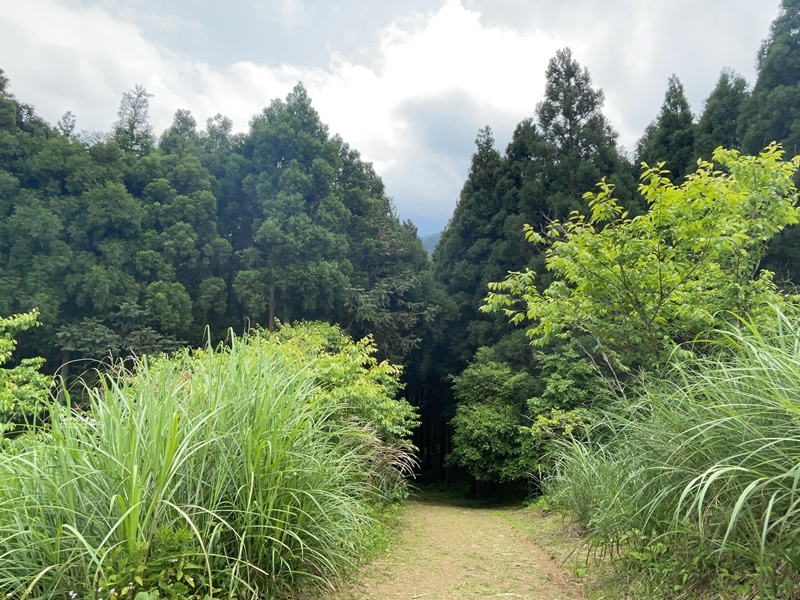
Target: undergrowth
693,490
242,471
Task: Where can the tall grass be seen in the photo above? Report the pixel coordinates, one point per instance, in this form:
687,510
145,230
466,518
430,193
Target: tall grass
698,480
212,474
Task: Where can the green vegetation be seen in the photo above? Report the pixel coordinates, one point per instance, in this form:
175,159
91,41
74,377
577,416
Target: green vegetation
242,471
128,244
631,355
694,483
658,406
24,390
639,285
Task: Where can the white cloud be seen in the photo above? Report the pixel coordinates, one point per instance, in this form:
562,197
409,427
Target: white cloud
61,56
288,13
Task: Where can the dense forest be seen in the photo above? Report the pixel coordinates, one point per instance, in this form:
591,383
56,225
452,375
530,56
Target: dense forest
615,332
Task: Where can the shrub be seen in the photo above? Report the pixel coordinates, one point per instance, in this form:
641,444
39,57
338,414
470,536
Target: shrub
23,389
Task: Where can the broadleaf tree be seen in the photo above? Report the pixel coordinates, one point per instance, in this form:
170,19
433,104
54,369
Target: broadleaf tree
639,285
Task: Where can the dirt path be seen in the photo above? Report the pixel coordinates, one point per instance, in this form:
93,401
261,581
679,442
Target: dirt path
451,552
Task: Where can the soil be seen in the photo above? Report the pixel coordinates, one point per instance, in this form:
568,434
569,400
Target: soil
447,551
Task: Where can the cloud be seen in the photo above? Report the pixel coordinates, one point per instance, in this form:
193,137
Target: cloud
288,13
631,48
413,101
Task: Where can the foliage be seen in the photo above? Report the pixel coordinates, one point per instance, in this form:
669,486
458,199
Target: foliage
509,414
567,380
487,426
24,390
551,160
773,110
697,487
637,286
348,375
237,471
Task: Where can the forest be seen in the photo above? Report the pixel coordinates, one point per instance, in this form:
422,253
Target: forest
226,359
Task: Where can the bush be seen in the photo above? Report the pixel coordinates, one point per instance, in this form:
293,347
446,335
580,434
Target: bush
23,389
227,472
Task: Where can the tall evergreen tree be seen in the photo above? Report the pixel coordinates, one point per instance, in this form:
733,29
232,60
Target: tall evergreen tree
718,123
299,257
580,146
773,111
133,131
469,239
548,166
670,138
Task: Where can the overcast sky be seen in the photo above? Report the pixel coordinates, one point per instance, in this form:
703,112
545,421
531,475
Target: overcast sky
408,83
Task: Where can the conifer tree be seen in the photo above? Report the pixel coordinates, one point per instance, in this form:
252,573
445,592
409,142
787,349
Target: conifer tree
133,131
773,111
670,138
718,124
580,146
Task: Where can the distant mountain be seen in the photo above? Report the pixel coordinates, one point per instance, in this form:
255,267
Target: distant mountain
429,241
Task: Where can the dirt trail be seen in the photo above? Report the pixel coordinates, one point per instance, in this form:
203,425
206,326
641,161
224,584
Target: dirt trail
451,552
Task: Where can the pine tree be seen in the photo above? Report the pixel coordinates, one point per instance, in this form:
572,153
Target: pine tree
670,138
718,124
773,111
580,146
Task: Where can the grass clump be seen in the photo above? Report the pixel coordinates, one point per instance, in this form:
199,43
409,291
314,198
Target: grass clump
695,489
237,472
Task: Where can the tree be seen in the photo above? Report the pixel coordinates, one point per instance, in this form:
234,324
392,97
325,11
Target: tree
551,160
462,257
181,137
487,426
718,123
637,286
300,230
670,138
133,131
772,113
580,145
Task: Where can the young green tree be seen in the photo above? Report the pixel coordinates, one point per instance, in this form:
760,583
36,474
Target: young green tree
133,131
489,418
638,286
24,390
772,114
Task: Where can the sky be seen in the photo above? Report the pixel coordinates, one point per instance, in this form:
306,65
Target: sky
407,83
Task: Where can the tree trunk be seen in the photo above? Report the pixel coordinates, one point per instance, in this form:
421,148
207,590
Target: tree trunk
271,325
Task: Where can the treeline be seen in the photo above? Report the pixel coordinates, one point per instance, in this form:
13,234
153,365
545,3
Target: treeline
127,242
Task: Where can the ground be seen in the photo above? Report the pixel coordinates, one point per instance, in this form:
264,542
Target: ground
448,551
